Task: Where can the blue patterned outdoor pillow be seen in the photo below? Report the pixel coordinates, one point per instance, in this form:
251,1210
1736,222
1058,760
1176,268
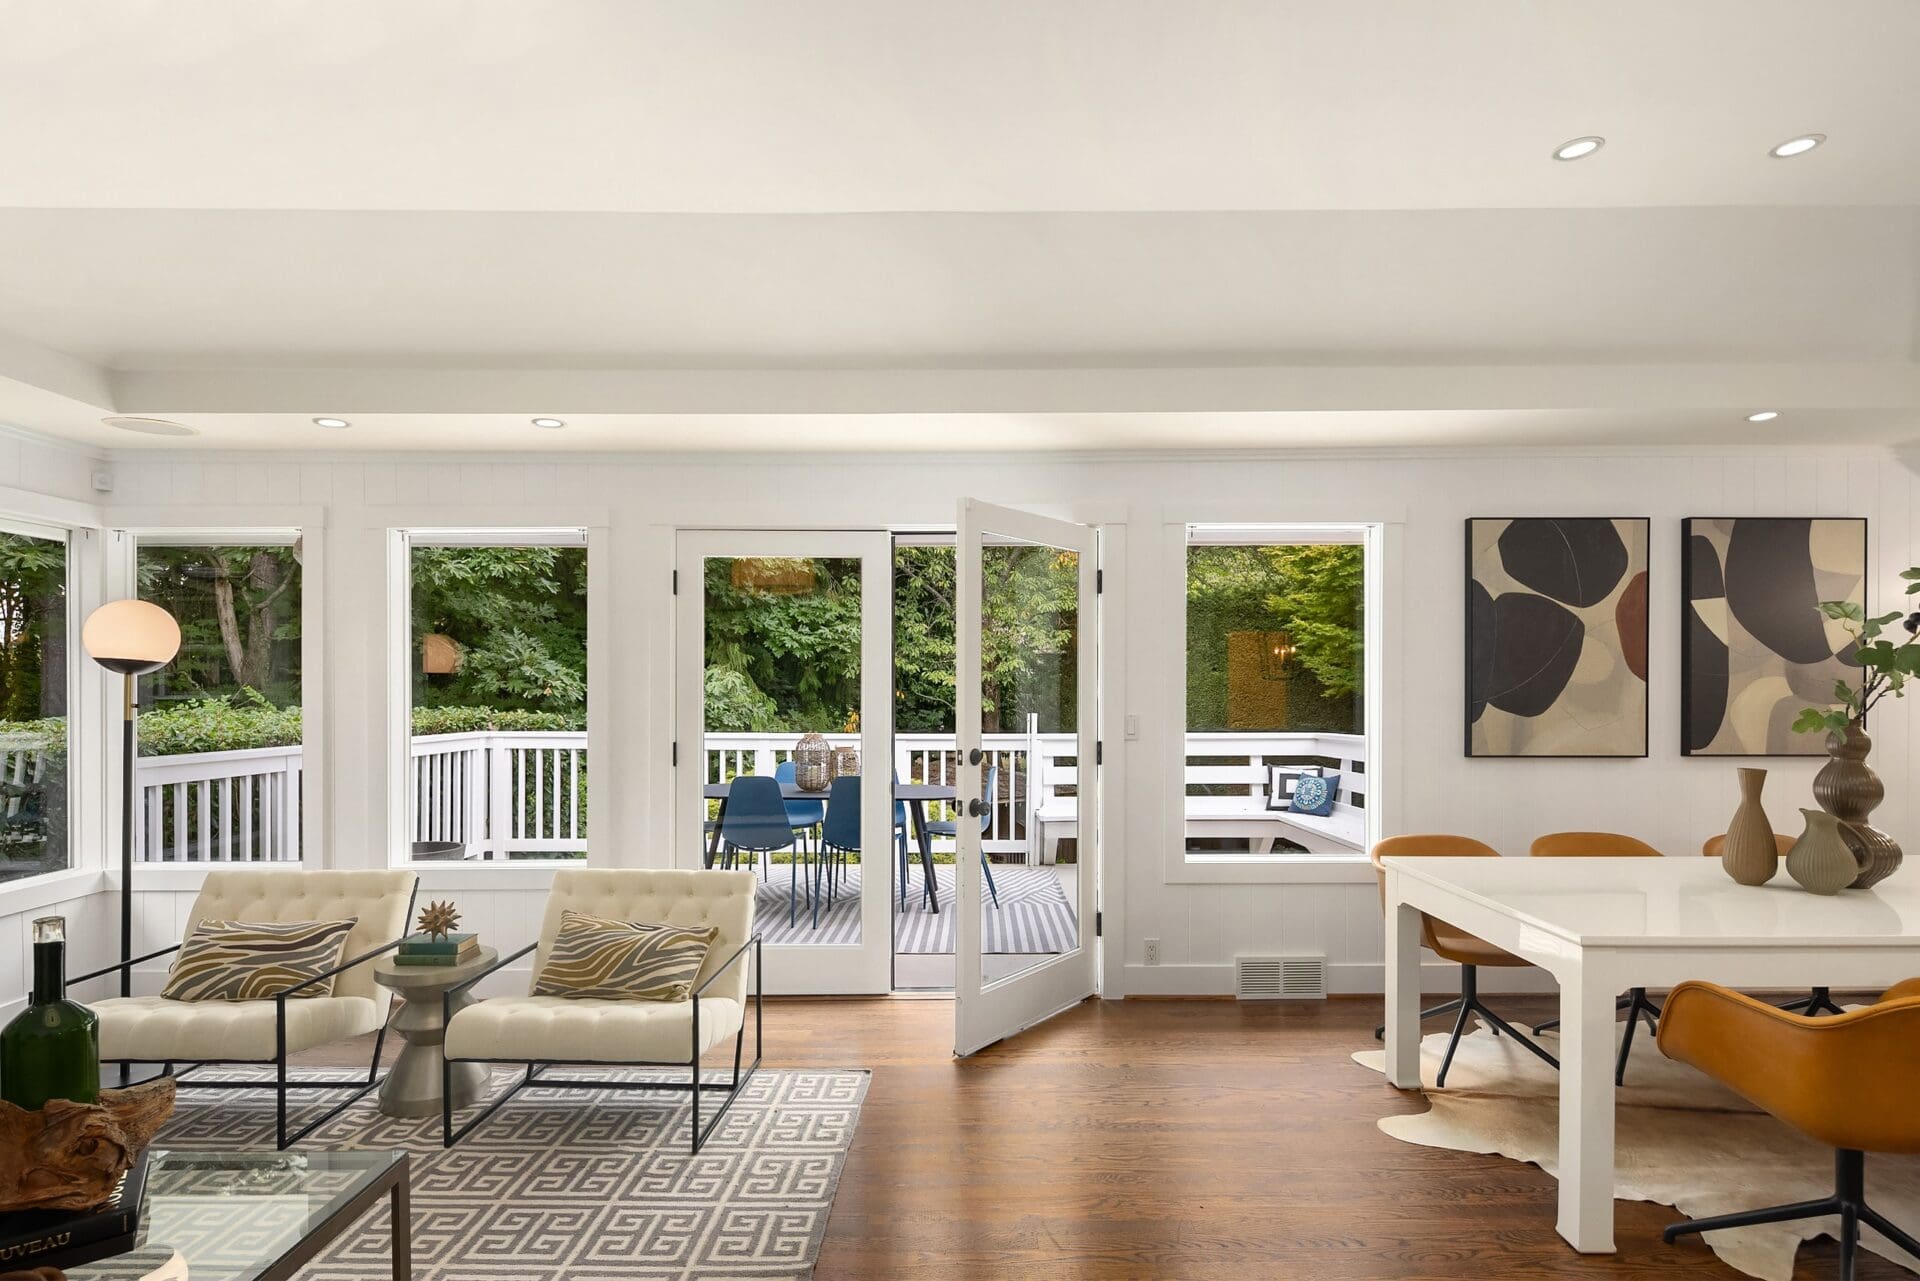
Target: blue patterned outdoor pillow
1313,794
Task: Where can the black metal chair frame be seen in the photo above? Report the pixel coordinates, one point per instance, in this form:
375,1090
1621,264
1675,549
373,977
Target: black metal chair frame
1849,1201
1639,1005
280,1084
449,1136
1468,1004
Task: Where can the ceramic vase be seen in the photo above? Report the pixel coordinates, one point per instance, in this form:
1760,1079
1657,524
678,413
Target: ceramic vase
1847,788
1750,856
1820,860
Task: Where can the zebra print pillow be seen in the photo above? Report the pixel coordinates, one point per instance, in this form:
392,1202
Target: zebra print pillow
623,960
255,960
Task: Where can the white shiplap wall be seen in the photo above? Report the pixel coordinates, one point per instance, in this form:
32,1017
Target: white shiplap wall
1428,785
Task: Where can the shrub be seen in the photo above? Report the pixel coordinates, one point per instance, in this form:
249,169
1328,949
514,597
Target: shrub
242,723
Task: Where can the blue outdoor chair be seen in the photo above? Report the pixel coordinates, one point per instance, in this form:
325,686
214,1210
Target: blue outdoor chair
806,816
951,827
755,820
840,834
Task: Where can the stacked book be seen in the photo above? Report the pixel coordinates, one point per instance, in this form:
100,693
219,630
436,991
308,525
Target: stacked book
68,1238
437,949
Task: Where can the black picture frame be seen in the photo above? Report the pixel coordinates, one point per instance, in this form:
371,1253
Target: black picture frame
1469,657
1690,658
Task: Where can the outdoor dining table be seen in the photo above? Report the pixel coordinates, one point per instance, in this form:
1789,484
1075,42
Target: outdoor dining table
914,795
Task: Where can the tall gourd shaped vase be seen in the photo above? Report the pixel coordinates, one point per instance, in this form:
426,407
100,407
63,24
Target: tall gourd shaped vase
1750,856
1820,859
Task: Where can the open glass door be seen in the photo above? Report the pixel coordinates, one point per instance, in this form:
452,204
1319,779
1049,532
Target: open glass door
1028,625
781,634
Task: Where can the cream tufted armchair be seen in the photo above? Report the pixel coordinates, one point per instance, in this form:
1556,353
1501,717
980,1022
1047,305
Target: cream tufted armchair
543,1031
190,1035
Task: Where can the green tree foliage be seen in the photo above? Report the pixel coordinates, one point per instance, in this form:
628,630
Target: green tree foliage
783,659
33,627
1312,592
519,618
239,614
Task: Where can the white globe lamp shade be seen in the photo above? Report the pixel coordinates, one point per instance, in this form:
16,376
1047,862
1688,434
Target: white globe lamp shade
132,637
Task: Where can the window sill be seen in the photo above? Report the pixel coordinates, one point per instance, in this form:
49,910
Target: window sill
30,894
1247,869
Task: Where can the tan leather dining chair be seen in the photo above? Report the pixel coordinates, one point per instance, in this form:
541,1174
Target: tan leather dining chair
1819,1000
1456,945
1845,1081
1636,1003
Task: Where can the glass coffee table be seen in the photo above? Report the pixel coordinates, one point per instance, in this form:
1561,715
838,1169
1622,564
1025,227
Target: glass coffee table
256,1215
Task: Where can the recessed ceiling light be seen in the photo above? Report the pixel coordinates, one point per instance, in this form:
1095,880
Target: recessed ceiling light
1764,416
331,422
151,426
1797,146
1579,148
549,422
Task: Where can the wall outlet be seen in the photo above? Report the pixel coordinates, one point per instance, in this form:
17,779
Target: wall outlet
1153,951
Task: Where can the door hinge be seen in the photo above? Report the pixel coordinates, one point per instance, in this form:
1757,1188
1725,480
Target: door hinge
1099,752
676,752
1099,920
1099,581
676,582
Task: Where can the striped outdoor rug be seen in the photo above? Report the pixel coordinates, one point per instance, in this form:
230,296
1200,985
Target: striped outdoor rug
1034,916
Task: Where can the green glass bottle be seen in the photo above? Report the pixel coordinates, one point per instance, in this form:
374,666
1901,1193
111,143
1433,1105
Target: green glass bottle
51,1050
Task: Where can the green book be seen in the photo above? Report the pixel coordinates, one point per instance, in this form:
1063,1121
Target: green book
428,945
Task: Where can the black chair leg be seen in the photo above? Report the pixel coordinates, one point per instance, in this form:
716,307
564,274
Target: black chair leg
1849,1201
1453,1043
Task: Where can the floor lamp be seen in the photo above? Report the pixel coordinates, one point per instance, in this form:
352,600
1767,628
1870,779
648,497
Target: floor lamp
133,638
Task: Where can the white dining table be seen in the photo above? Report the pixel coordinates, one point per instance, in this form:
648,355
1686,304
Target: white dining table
1603,925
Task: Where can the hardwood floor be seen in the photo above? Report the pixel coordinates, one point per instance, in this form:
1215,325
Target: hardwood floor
1176,1139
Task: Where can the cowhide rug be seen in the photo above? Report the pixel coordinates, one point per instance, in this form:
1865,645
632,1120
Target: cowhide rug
1681,1139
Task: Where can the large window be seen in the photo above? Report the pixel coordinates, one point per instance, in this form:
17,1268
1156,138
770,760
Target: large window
497,759
219,778
1276,750
35,742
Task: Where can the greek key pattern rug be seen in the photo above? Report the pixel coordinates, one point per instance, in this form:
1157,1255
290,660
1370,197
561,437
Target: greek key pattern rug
583,1185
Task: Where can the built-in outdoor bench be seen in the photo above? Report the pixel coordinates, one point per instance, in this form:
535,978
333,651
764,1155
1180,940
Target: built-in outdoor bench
1244,815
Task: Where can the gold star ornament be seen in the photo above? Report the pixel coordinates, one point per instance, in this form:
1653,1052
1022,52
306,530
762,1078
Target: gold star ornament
438,919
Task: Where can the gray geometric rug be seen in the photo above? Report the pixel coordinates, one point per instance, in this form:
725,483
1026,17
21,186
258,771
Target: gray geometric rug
585,1185
1033,917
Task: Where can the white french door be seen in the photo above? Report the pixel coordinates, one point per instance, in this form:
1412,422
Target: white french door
1027,608
757,607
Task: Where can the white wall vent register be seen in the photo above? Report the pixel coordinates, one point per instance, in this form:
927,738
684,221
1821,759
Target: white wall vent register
1280,978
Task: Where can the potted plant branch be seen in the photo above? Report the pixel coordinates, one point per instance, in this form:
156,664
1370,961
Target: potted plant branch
1846,785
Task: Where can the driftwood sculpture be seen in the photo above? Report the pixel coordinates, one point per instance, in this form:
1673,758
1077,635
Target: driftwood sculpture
67,1156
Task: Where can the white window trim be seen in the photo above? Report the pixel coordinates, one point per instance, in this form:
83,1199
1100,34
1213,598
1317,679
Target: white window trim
401,539
1179,868
87,858
255,527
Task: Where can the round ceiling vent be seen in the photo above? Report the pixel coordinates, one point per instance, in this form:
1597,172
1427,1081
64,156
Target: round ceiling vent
151,426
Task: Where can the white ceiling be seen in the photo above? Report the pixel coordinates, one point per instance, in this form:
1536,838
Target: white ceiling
1093,224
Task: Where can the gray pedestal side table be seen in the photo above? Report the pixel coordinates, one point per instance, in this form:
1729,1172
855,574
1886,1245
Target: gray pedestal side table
412,1086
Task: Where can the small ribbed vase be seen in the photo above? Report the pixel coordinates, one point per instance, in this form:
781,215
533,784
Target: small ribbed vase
1820,860
1847,788
1750,856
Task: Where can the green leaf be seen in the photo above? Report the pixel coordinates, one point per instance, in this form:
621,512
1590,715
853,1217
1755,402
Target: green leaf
1809,720
1848,610
1911,575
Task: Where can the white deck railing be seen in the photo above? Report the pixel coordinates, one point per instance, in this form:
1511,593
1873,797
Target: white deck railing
219,807
517,794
